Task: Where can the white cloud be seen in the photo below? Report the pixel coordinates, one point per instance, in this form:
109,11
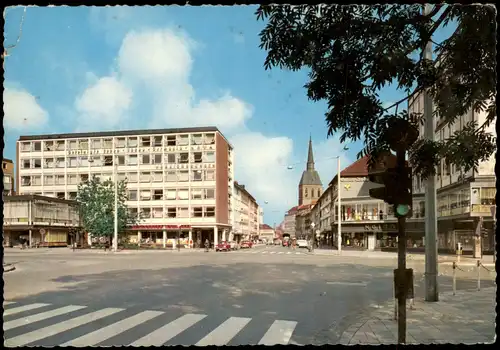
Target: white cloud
22,111
104,103
158,63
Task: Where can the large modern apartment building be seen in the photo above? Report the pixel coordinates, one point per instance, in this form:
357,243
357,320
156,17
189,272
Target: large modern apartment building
177,179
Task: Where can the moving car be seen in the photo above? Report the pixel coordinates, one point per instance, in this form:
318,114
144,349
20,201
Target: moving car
302,243
223,247
246,244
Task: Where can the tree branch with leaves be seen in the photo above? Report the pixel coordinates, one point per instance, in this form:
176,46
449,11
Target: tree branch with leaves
97,201
353,52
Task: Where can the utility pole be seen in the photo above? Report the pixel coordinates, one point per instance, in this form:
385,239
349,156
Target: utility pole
431,252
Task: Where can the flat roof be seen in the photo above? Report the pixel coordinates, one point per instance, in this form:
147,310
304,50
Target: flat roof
28,197
122,133
7,160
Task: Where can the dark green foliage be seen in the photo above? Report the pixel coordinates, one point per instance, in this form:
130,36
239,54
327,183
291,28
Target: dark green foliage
97,200
354,51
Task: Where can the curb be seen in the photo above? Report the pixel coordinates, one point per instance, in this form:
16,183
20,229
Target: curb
8,268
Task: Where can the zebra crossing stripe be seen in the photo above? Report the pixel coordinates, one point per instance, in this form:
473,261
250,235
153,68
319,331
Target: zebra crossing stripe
167,332
102,334
19,309
269,253
280,332
41,316
280,253
8,303
225,332
42,333
288,253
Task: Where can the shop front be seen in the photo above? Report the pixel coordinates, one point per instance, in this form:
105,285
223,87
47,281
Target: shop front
383,236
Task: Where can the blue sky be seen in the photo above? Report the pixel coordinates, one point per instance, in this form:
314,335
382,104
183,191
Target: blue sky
90,69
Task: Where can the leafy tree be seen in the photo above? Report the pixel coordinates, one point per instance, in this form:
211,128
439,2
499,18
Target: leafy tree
352,52
97,201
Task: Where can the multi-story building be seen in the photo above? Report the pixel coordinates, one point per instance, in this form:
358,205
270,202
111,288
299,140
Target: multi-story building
366,223
9,187
303,221
289,222
41,221
179,180
266,233
246,217
464,199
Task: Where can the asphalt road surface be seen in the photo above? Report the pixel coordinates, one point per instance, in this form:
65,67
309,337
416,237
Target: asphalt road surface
192,298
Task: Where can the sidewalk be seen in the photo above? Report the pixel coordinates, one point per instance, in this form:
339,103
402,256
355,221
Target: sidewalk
467,317
464,260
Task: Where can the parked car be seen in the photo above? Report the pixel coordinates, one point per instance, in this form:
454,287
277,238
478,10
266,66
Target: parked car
302,243
223,247
246,244
234,245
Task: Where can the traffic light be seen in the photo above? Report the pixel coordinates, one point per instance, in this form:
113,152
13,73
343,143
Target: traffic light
396,189
386,192
404,193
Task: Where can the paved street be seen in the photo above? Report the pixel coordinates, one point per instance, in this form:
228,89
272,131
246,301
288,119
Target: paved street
152,298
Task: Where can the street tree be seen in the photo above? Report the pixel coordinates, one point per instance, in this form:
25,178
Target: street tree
352,52
97,201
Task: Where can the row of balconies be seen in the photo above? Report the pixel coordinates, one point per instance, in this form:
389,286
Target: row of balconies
120,142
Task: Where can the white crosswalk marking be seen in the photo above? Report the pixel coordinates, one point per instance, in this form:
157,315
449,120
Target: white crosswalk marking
266,252
280,332
270,252
19,309
41,316
110,331
280,252
49,331
289,253
225,332
8,302
167,332
298,253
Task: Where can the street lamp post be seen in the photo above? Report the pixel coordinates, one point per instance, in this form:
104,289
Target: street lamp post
312,235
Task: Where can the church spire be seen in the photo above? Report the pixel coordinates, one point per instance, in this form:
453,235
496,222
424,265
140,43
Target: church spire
310,156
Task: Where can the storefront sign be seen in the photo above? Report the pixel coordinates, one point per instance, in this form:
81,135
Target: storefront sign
160,227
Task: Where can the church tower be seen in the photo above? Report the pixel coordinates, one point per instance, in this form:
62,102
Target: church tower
310,186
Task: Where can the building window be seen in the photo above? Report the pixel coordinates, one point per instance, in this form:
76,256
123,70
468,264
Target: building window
170,158
121,160
196,139
145,141
182,212
198,157
197,175
171,194
172,212
157,141
132,177
132,211
146,159
183,175
157,159
171,140
183,194
73,162
145,176
36,180
83,144
26,147
197,212
108,160
37,163
157,176
107,143
72,179
49,163
183,140
72,195
209,193
37,146
157,213
132,142
132,159
122,177
209,139
196,193
48,180
145,195
158,195
209,175
171,176
183,158
488,195
120,142
84,177
146,213
210,157
96,144
132,195
210,212
25,164
60,180
319,193
305,193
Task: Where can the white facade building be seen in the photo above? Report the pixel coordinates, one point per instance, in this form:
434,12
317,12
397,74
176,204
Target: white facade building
246,214
180,180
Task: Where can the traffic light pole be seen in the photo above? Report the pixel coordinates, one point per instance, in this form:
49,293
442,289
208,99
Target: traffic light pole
400,154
